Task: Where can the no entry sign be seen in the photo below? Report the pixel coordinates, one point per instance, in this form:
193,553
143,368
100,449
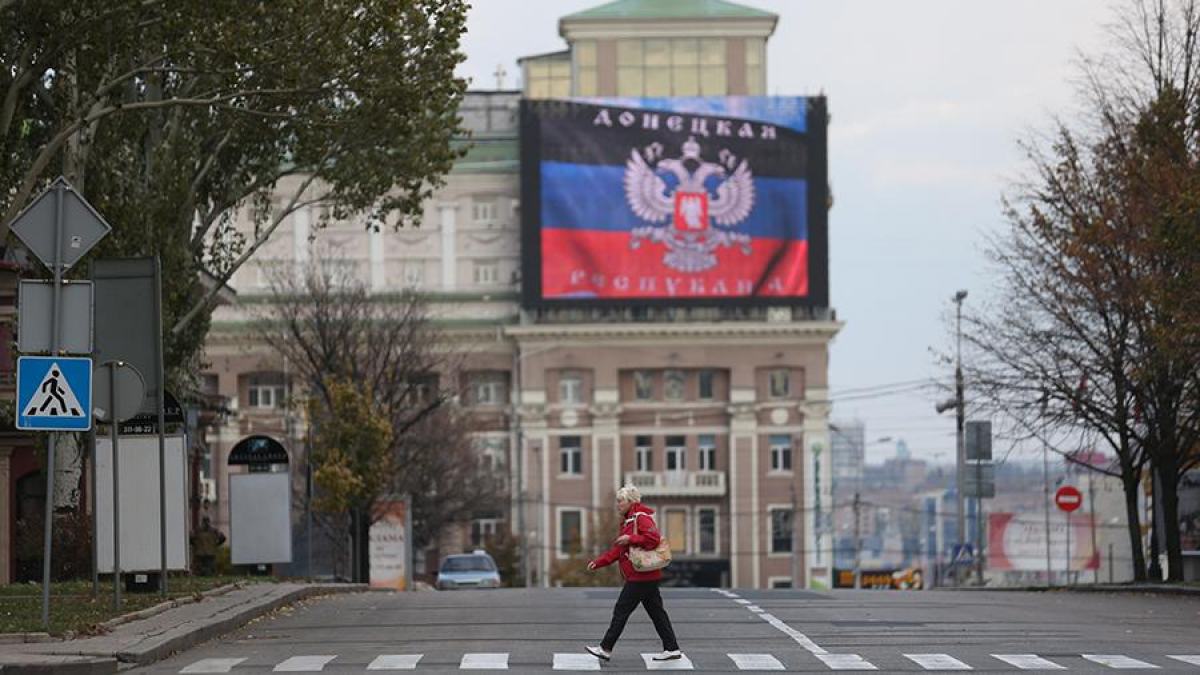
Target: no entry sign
1068,498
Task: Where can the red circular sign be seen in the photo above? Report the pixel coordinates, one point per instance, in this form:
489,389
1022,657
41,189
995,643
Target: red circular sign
1068,498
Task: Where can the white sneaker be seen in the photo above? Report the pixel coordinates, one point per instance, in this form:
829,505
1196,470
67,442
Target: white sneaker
669,656
601,653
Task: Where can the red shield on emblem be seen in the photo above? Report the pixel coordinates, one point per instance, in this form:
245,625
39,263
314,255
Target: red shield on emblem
691,211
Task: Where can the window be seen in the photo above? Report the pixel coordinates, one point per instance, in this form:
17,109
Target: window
781,530
706,526
571,454
643,385
671,67
705,379
586,61
420,390
708,452
673,385
643,451
781,582
781,453
570,388
491,453
483,211
779,383
487,388
483,530
486,272
676,453
570,531
266,390
548,77
756,67
676,530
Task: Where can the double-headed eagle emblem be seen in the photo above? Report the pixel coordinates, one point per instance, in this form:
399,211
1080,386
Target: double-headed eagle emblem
692,205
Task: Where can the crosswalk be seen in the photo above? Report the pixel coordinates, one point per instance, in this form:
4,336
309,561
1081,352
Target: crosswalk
748,662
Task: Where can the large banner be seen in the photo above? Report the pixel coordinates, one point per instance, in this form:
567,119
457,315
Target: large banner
682,200
1017,542
389,545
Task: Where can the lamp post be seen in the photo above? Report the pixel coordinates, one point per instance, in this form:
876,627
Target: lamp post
960,417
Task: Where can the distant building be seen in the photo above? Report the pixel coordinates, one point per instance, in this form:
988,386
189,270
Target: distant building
719,414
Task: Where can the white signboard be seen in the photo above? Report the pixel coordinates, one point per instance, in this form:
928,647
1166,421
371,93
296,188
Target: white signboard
1017,541
260,518
140,543
388,549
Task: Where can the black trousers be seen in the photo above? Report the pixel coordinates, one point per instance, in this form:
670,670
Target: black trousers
646,594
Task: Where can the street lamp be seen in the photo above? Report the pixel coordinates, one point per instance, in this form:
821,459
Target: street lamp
960,409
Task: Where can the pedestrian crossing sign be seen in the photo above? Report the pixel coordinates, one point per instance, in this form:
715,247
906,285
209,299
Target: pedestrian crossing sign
54,393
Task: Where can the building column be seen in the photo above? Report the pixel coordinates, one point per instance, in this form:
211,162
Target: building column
301,230
449,225
375,248
818,488
5,515
744,536
531,416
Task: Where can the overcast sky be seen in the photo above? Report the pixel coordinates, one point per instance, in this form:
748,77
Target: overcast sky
928,99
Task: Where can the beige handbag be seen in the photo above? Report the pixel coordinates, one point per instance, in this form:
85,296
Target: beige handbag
648,560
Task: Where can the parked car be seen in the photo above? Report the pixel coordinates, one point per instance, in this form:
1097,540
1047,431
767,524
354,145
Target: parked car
470,570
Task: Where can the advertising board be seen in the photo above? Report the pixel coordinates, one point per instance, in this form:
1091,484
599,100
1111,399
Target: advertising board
677,201
1017,542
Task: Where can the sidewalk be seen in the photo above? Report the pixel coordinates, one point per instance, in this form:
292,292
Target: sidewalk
146,640
1143,588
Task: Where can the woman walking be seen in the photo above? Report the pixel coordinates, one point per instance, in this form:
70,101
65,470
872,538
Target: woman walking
637,529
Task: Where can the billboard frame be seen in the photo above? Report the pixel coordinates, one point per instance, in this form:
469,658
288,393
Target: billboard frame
818,201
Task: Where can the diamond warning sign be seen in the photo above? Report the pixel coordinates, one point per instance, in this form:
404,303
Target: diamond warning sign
54,393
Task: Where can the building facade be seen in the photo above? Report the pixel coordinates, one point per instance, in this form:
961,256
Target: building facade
718,414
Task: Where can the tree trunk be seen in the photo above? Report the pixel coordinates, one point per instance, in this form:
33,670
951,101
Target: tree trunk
1132,486
1169,494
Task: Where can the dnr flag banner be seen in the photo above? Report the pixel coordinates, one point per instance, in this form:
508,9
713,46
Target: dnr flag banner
691,199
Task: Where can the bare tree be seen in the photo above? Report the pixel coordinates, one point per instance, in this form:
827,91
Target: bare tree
1096,335
335,333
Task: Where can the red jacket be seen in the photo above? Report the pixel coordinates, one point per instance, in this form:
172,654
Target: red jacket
647,537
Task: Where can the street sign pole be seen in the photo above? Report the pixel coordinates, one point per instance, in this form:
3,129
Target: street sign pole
113,426
51,442
162,429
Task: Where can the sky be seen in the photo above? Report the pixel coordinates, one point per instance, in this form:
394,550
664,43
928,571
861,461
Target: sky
928,100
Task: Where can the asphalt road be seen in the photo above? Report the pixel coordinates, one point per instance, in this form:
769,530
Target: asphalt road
545,630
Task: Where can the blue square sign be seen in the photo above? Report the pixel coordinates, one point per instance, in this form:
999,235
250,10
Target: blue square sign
54,393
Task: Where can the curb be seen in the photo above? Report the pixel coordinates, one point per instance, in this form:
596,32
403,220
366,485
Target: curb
63,660
228,624
169,604
1143,589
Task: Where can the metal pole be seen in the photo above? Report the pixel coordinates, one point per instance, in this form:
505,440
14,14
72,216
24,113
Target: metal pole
116,476
1046,505
52,441
408,543
979,522
960,419
1110,564
160,402
857,544
1095,550
92,482
1068,516
795,539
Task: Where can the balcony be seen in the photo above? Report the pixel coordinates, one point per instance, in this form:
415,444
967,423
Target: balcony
678,483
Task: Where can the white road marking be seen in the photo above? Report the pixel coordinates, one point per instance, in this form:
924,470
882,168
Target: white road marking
683,663
756,662
486,661
1029,662
937,662
845,661
800,638
304,664
576,662
1118,661
395,662
742,602
212,666
1192,659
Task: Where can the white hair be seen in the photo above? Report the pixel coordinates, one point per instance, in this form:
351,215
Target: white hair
629,493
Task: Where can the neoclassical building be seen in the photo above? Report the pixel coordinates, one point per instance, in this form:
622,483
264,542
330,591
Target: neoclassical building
720,415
